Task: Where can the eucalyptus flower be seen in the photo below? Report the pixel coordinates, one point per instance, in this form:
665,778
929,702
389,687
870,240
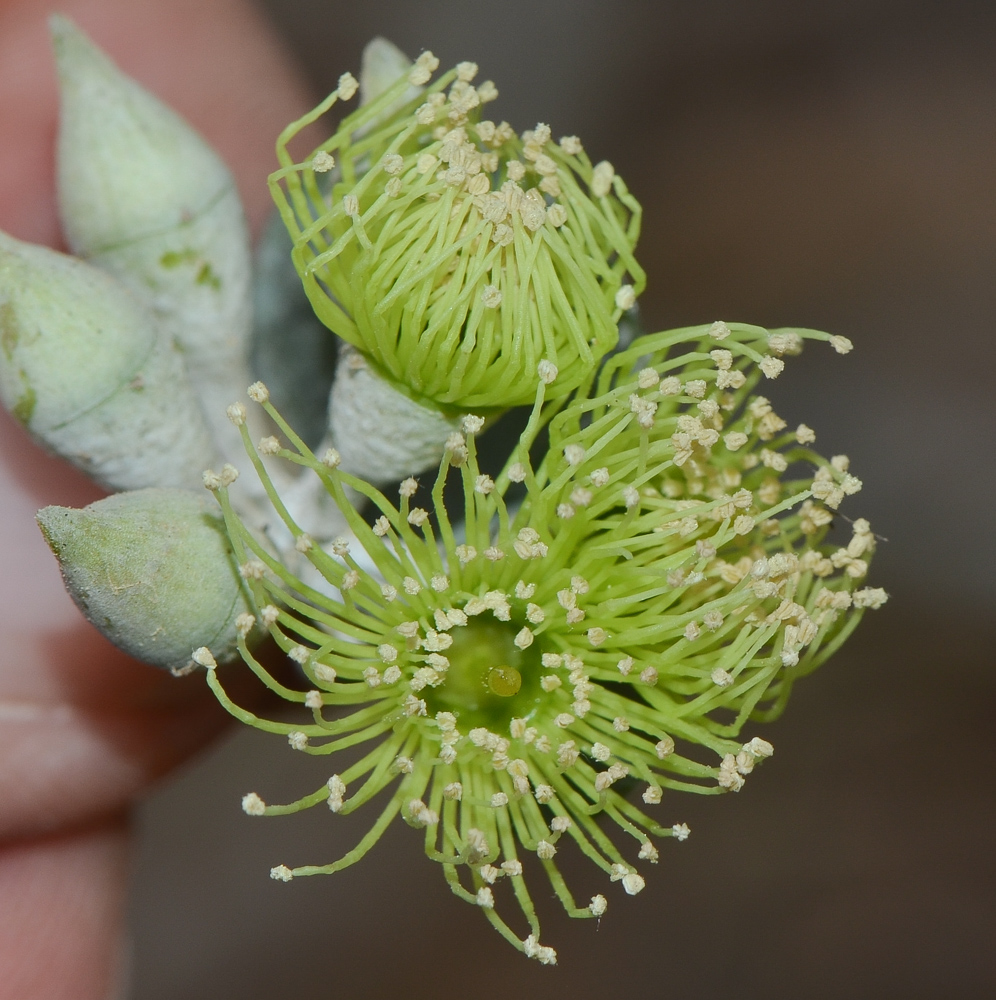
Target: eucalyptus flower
599,629
454,252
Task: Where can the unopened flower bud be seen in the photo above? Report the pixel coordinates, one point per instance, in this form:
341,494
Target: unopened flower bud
380,433
85,370
153,571
144,197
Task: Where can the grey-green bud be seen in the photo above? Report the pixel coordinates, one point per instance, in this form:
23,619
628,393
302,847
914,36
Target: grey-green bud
85,368
383,62
143,196
381,434
153,570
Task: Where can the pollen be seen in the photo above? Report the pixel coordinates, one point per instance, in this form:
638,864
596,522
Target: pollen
253,805
601,179
322,162
347,86
547,372
625,298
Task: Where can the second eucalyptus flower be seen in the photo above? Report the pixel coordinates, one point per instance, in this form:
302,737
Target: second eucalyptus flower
454,252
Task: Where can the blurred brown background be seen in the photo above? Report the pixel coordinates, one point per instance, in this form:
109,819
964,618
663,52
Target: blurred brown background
826,164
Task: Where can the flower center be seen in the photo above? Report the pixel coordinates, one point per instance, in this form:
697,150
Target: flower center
504,681
490,680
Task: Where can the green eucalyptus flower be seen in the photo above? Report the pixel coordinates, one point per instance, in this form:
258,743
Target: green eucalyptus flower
602,626
454,252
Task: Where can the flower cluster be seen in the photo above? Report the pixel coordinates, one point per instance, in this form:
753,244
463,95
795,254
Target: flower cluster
454,252
599,625
519,661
